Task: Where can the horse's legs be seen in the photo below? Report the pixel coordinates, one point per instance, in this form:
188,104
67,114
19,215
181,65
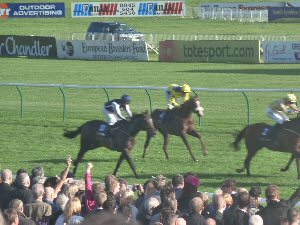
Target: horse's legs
185,141
166,143
286,168
78,160
119,163
130,162
247,161
146,145
200,137
298,167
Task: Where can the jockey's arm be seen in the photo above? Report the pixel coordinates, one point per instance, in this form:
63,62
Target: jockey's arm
293,109
118,110
173,101
127,109
186,97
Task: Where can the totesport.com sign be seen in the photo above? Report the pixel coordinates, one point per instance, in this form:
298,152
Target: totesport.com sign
209,51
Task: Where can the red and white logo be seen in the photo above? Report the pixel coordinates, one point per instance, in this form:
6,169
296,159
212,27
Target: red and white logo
4,11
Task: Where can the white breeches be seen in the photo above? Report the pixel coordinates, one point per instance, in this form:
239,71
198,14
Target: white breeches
112,118
278,116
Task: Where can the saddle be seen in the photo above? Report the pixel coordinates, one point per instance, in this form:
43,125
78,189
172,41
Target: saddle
269,134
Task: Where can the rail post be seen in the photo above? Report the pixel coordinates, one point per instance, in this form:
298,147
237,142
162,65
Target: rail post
21,102
248,108
150,100
64,104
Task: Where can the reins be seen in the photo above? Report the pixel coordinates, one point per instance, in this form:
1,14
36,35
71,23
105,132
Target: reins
292,131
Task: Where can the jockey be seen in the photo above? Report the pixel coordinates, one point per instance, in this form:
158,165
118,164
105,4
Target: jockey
176,91
279,109
112,109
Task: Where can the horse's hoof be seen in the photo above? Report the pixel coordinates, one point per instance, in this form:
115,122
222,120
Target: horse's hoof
283,169
196,160
239,170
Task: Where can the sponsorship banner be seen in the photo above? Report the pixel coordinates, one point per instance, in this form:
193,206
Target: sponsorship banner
281,52
284,14
103,50
209,51
244,5
30,46
128,9
32,10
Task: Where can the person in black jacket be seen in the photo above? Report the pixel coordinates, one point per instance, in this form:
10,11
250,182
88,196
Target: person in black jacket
5,188
277,208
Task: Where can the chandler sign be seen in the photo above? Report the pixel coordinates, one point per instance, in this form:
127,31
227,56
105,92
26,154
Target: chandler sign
29,46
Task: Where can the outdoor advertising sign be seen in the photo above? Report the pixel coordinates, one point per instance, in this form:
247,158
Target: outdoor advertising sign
103,50
281,52
128,9
32,10
209,51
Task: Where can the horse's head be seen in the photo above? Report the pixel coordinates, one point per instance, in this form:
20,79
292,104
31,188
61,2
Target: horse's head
198,109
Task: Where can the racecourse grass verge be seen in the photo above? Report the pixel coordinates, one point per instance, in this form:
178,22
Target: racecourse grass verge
37,138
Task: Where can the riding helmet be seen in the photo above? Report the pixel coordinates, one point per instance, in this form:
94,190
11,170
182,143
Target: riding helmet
186,88
126,99
291,98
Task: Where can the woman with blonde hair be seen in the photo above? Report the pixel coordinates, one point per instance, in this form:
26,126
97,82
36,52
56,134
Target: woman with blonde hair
71,214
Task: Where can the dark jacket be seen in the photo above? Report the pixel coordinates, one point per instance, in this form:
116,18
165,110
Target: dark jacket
236,217
5,189
274,210
195,219
23,220
22,193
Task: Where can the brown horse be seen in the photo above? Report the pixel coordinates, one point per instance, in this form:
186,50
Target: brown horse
179,123
120,137
286,139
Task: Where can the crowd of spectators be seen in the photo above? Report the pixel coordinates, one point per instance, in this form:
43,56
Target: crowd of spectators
33,199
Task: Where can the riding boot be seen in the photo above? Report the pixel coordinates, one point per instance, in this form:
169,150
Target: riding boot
166,117
273,130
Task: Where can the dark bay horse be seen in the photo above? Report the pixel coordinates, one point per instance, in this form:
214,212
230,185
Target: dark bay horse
121,137
287,139
179,123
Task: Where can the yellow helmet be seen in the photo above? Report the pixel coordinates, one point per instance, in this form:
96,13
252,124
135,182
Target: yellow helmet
291,98
186,88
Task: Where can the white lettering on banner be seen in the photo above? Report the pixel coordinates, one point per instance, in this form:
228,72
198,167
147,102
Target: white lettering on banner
38,13
26,50
4,12
36,7
1,46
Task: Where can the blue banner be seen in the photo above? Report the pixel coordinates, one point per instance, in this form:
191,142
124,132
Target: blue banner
36,10
284,14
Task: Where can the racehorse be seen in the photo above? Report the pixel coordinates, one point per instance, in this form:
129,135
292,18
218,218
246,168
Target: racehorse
179,123
119,137
286,139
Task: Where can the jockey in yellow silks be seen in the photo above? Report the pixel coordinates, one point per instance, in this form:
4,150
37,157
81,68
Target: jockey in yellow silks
279,109
174,92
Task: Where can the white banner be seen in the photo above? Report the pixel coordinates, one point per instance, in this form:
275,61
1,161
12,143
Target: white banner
128,9
102,50
244,5
281,52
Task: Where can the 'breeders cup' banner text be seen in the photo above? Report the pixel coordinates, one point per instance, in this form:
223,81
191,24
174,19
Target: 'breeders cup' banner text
32,10
128,9
284,14
103,50
209,51
30,46
281,52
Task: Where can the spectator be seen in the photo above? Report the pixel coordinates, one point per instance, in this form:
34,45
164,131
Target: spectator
256,220
5,188
11,217
255,197
37,176
240,214
110,204
144,191
71,213
112,185
228,200
49,197
126,211
168,217
38,210
190,190
196,207
61,201
219,205
293,216
230,187
127,199
19,207
146,210
210,221
22,191
277,208
105,219
178,184
15,182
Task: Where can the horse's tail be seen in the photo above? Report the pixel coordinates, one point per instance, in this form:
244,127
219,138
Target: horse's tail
239,136
72,133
